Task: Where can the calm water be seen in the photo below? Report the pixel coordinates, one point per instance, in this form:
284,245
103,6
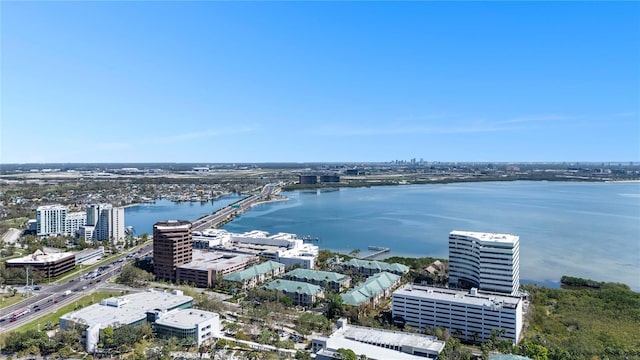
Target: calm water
143,216
582,229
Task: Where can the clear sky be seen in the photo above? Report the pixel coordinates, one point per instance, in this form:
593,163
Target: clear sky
319,81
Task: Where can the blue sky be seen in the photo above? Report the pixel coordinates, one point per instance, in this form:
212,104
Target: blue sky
319,81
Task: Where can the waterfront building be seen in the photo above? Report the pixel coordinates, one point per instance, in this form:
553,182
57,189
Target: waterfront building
487,261
282,247
49,265
376,344
301,293
468,315
197,326
208,267
307,179
133,309
50,220
73,221
370,292
106,223
328,280
256,274
370,267
172,247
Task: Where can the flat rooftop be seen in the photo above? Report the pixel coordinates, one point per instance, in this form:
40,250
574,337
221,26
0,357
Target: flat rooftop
397,338
459,296
38,257
488,237
216,260
127,309
186,318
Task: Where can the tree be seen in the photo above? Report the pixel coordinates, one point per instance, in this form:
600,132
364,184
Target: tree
335,307
347,354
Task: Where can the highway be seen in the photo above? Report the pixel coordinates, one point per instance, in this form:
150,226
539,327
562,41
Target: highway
55,296
231,210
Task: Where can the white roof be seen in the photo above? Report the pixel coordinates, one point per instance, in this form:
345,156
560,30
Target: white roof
215,260
488,237
458,296
127,309
38,257
186,318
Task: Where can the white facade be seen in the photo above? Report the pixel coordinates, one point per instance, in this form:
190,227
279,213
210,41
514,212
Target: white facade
488,261
50,219
198,326
73,222
470,316
108,222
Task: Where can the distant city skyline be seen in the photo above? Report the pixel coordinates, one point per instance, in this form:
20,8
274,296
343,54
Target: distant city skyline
254,82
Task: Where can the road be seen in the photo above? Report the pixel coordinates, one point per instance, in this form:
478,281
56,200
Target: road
231,210
55,296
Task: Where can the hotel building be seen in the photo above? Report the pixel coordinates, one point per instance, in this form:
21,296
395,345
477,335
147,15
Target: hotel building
105,222
487,261
53,220
470,316
172,247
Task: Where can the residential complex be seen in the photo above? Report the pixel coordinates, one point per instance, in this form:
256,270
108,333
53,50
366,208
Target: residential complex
328,280
301,293
256,275
370,267
487,261
372,290
172,247
54,220
104,223
376,344
208,267
134,309
468,315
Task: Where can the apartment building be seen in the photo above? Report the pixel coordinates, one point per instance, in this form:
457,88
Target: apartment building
487,261
468,315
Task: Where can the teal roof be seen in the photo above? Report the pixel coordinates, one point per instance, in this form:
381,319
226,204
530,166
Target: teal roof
316,275
379,265
253,271
508,357
374,285
297,287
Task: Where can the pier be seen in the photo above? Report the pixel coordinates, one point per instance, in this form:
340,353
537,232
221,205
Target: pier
378,250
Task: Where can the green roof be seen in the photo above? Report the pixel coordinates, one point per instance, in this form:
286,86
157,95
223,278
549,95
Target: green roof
379,265
297,287
316,275
374,285
253,271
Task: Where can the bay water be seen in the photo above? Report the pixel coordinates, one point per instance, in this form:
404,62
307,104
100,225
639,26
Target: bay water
589,230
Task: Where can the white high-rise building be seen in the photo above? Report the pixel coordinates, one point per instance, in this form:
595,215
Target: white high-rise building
50,219
468,315
488,261
107,222
73,221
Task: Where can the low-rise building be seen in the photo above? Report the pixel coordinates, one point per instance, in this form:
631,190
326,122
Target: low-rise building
256,274
328,280
49,265
198,326
133,309
372,290
376,344
468,315
370,267
208,267
301,293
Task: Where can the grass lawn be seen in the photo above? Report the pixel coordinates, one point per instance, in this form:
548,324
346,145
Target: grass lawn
55,317
7,300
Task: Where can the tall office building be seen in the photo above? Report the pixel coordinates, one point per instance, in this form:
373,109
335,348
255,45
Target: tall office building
172,247
107,222
487,261
50,219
